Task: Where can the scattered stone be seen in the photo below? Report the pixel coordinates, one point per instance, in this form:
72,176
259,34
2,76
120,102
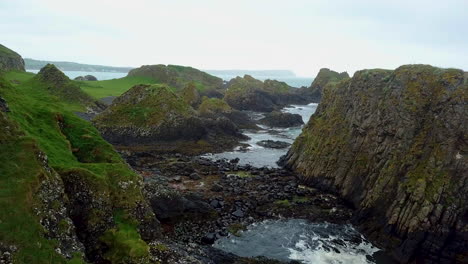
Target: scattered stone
238,213
194,176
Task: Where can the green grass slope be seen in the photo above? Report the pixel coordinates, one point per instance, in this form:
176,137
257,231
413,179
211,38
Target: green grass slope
39,122
114,87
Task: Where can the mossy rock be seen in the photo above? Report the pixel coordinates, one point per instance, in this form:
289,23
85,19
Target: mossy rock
191,95
178,76
10,60
248,93
394,143
324,77
214,106
144,106
58,84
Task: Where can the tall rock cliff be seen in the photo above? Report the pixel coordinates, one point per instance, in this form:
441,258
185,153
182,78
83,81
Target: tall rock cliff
395,144
10,60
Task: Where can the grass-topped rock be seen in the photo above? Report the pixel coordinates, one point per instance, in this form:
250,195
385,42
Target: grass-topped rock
67,196
10,60
55,82
324,77
394,143
179,76
153,115
248,93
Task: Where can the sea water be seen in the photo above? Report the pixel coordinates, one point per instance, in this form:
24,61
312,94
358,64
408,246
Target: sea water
259,156
292,81
99,75
301,240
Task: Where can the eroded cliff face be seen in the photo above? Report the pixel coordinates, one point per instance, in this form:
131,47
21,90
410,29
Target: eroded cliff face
394,143
10,60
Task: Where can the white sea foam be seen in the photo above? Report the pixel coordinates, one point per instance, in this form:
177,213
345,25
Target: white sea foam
294,239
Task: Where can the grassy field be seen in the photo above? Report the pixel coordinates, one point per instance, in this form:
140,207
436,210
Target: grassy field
97,89
114,87
32,127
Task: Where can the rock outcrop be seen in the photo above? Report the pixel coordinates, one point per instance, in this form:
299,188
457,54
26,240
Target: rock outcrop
395,144
58,84
154,115
10,60
180,76
248,93
280,119
324,77
275,144
191,95
86,78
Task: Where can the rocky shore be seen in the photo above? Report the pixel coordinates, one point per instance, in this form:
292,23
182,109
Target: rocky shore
198,200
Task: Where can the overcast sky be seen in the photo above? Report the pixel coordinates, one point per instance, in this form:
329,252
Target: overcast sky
299,35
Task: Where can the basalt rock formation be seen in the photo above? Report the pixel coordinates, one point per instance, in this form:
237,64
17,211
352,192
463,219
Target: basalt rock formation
248,93
10,60
180,76
324,77
153,115
395,144
280,119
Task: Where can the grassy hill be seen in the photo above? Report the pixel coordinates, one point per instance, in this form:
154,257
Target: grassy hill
43,144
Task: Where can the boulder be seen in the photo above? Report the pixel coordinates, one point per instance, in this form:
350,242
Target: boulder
273,144
394,144
280,119
86,78
3,105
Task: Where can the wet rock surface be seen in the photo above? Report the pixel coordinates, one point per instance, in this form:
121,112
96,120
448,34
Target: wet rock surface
280,119
199,200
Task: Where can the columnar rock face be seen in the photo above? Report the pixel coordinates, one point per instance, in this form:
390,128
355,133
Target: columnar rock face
10,60
395,144
324,77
